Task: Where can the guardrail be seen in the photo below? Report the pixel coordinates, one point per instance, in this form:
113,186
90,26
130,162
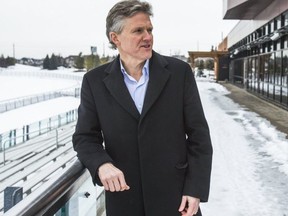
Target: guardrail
14,103
21,135
54,195
40,158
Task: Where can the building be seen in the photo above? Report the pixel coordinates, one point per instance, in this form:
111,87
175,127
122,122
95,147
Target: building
258,47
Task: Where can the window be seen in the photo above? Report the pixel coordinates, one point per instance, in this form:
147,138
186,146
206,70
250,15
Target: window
285,19
277,23
277,76
266,74
285,42
284,77
266,29
271,27
271,76
261,74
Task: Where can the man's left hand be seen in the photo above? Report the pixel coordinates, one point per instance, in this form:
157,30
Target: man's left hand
189,206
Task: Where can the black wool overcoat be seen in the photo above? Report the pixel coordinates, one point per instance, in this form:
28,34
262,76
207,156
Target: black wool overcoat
164,152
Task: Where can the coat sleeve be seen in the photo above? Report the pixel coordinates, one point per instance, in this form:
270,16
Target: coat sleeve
199,147
87,138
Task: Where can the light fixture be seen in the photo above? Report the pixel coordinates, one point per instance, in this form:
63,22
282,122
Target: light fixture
275,36
236,51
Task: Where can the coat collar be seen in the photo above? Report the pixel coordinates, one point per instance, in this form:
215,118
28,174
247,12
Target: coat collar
158,76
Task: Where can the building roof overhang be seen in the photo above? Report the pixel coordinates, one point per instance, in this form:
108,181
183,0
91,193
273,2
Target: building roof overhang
246,10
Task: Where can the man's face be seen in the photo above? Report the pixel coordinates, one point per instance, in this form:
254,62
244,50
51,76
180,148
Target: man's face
136,40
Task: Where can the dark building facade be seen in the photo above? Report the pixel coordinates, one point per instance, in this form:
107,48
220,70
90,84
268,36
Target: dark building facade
258,47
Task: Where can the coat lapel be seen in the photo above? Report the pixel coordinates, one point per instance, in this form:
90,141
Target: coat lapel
158,76
117,88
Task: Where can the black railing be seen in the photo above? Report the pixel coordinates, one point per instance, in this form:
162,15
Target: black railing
56,193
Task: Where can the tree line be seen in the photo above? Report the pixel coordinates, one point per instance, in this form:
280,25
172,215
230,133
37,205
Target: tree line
207,63
6,62
80,62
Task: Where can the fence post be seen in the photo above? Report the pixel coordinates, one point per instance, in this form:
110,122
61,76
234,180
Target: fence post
1,142
23,131
59,120
40,127
49,126
27,132
10,138
57,141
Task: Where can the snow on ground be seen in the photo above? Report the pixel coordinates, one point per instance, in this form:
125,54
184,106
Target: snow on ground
36,112
12,87
26,69
22,80
250,173
33,81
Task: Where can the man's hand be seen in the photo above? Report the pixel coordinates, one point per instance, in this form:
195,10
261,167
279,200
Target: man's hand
112,178
189,206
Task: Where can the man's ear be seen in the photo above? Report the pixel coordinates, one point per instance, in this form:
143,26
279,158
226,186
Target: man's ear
114,38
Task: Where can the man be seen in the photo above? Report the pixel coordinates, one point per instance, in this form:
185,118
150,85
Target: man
141,130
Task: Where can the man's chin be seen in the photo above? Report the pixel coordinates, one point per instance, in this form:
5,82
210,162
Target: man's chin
148,54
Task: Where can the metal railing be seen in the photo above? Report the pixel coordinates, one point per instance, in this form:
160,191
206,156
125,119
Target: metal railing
14,103
54,195
56,140
21,135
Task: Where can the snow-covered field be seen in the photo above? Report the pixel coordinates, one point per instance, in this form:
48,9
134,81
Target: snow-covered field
250,163
21,80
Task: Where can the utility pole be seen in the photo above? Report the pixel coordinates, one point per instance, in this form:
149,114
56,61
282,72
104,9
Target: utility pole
13,50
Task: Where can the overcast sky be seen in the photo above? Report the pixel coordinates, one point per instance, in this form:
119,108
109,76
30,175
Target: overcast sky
68,27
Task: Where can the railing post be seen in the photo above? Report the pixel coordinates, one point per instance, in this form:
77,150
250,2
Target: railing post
59,120
39,123
49,124
15,135
10,139
23,131
27,132
1,142
57,141
4,149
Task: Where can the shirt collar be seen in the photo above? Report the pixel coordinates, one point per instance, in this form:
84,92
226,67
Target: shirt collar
145,69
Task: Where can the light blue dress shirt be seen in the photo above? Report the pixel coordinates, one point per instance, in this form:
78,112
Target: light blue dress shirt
137,89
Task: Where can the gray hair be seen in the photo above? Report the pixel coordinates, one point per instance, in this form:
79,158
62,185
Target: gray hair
121,11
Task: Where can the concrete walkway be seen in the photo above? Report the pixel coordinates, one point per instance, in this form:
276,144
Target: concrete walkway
276,115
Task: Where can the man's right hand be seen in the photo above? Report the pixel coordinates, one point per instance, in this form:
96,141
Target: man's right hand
112,178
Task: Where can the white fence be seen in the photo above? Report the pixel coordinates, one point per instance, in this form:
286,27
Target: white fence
15,103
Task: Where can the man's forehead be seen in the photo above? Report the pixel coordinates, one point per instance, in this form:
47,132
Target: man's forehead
138,20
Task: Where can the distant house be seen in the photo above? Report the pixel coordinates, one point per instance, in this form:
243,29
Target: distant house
31,61
70,60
